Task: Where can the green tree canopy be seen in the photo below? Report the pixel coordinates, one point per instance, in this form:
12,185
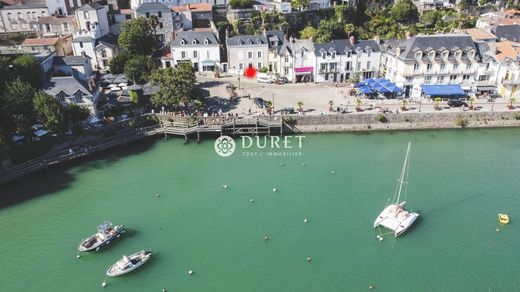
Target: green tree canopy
308,32
49,112
177,86
117,63
28,69
17,102
75,113
241,4
300,4
404,11
138,68
137,37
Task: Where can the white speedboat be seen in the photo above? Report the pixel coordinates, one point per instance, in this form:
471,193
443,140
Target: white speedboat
106,233
129,263
394,216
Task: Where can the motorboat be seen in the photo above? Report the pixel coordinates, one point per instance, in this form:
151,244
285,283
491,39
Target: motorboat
106,233
129,263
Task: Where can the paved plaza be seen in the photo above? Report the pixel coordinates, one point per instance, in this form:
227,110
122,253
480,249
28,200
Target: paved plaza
316,97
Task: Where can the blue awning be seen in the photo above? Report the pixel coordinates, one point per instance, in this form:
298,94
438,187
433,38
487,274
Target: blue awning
443,90
365,90
380,88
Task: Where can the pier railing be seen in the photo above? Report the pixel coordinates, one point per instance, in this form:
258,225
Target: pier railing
179,126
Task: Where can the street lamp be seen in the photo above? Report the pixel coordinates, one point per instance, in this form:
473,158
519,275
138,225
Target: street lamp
273,105
238,79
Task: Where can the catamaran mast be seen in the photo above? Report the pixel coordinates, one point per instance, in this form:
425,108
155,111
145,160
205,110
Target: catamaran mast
403,171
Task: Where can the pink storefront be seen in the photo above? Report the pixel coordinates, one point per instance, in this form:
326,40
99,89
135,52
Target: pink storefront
303,74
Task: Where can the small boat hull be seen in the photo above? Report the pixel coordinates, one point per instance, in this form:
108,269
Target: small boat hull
503,218
129,264
101,239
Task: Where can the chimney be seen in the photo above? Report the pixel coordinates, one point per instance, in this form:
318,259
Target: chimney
376,39
291,39
352,40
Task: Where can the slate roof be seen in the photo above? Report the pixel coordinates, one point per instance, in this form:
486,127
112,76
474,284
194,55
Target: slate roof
198,36
90,6
70,61
108,40
83,39
25,6
508,32
56,20
246,40
152,7
344,45
67,84
438,43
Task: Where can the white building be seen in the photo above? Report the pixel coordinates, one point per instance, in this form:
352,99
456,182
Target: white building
199,47
135,3
439,59
508,77
93,38
339,60
304,60
244,51
21,17
78,67
68,90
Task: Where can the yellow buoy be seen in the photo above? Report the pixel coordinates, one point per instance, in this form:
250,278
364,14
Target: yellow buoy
503,218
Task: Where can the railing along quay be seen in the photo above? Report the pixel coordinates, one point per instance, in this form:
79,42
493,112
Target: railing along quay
72,153
233,127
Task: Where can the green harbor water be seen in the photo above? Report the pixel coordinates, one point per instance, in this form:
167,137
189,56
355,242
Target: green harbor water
458,182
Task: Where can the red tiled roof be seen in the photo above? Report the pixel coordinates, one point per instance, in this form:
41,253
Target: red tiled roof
197,7
40,42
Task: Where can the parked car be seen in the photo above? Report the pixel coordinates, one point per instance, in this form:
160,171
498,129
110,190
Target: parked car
456,103
259,102
281,80
262,79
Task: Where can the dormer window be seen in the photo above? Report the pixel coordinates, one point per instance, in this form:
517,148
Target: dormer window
183,42
445,55
431,55
349,54
471,54
333,55
418,55
194,42
206,41
259,42
458,54
323,55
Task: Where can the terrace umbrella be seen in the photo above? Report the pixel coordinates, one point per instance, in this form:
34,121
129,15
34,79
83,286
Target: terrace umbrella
381,89
371,81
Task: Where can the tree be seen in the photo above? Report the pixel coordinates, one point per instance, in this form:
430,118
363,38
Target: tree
300,4
17,102
300,105
241,4
75,113
138,68
176,86
28,69
404,11
136,37
117,63
349,29
308,32
153,22
5,75
49,112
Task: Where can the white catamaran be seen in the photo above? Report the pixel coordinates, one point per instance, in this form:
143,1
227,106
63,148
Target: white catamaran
394,216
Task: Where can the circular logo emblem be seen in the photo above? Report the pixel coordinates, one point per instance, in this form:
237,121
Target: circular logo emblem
224,146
